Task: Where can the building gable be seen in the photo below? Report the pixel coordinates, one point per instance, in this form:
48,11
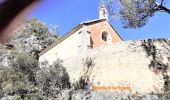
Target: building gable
103,33
95,28
74,30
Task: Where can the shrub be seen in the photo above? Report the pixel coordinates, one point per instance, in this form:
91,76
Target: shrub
33,27
14,82
84,82
51,80
81,84
27,64
20,78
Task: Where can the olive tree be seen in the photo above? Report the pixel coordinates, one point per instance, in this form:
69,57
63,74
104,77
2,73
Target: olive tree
135,13
51,80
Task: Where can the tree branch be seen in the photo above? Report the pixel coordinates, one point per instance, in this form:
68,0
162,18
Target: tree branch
162,2
163,8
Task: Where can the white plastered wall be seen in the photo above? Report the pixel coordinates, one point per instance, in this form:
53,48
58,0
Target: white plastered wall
71,46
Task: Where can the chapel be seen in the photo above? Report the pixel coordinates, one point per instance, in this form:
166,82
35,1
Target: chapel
86,35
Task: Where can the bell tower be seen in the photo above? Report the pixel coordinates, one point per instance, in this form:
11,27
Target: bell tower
103,14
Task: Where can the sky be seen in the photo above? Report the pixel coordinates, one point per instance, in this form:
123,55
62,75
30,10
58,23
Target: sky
67,14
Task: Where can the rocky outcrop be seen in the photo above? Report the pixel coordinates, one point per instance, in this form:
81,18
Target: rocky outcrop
30,38
106,95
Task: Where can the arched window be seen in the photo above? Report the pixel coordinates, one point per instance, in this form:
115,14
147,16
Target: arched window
104,36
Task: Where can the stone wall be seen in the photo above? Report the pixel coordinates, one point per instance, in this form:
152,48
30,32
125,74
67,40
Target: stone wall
141,65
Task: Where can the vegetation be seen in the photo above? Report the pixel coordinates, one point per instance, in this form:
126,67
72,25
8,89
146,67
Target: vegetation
84,80
135,13
26,80
157,65
31,37
53,79
21,78
36,28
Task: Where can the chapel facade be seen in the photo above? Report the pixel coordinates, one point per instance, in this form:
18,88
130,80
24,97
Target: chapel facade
87,35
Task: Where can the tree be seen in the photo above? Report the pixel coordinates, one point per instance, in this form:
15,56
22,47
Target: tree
51,80
135,13
18,77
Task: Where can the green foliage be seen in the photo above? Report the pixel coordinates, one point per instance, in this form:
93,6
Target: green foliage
21,78
36,28
35,97
81,84
14,82
53,79
135,13
84,81
31,37
29,82
27,64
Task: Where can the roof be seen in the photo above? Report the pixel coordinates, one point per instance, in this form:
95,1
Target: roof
93,21
86,23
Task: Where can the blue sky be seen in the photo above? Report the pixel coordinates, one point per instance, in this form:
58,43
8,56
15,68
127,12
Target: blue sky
66,14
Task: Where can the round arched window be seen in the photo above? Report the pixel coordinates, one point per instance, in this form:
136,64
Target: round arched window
104,36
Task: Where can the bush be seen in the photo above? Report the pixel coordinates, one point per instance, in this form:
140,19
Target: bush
53,79
33,27
25,80
20,78
14,82
81,84
27,64
84,82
